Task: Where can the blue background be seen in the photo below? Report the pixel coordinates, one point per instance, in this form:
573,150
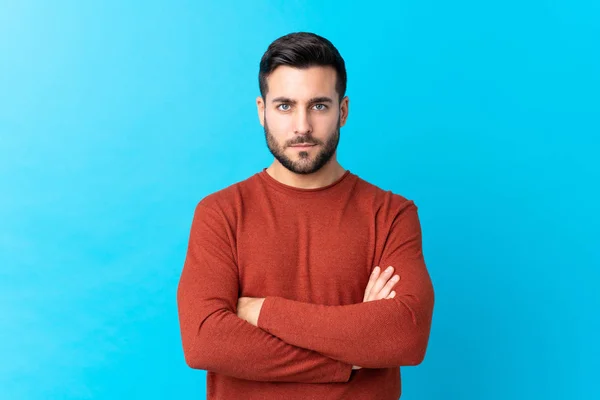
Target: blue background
116,118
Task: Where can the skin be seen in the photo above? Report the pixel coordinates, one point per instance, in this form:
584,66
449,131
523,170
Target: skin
303,106
301,120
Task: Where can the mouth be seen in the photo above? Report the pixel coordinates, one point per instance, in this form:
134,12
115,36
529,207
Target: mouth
303,145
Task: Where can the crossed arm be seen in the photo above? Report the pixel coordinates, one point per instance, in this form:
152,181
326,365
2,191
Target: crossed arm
379,287
294,341
214,338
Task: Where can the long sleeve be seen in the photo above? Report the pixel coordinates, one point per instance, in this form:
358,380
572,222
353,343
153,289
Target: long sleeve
377,334
214,338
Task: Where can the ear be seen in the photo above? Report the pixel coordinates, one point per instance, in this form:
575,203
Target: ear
260,106
344,108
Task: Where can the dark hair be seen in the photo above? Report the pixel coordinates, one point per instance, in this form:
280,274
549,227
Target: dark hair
302,50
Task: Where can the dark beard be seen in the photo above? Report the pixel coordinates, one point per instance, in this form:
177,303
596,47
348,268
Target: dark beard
303,166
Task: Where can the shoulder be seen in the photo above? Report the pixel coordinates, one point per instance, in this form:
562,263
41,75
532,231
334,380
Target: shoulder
389,201
228,201
392,211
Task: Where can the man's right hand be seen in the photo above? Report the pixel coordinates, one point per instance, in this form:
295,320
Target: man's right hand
381,284
380,287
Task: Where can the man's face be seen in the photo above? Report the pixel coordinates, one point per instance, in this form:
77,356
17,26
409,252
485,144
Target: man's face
302,107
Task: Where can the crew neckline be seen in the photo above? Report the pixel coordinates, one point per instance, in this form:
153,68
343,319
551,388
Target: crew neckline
301,191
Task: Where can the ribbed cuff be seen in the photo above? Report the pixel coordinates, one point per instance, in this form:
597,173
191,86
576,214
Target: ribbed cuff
265,311
344,372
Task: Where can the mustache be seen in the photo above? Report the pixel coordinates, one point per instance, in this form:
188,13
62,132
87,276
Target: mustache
304,141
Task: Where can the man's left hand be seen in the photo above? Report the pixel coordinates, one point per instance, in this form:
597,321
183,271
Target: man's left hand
248,308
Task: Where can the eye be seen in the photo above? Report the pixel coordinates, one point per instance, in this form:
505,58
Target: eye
323,107
283,105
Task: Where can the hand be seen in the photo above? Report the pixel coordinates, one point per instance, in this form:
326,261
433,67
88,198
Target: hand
248,308
380,287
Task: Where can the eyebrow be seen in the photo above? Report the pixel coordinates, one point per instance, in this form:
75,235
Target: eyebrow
321,99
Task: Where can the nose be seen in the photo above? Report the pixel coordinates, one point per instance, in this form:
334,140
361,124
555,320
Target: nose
302,125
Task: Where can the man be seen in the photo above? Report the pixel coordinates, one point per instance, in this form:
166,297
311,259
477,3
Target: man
281,295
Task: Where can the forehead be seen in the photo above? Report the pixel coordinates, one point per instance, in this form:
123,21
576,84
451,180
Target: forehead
301,83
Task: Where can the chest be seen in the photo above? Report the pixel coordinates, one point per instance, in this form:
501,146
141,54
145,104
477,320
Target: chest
320,256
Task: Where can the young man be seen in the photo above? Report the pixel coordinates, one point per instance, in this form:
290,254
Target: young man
281,295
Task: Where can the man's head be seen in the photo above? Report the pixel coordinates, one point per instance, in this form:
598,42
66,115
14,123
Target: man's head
302,81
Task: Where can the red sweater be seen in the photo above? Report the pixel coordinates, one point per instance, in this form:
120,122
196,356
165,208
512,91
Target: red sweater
309,252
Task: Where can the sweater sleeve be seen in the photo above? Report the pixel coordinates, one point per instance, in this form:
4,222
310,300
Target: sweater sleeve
214,338
377,334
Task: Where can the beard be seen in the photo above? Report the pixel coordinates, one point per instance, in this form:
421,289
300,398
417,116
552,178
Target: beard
306,164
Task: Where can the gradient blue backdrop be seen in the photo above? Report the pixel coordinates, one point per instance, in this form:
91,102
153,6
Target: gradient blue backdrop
117,117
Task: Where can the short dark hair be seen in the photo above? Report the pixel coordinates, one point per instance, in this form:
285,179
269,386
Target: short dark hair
302,50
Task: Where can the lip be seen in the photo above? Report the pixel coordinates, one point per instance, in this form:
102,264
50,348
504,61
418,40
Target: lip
303,146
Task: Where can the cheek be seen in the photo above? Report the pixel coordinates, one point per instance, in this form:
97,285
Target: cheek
325,123
279,123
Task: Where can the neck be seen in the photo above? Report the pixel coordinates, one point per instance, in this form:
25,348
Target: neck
331,172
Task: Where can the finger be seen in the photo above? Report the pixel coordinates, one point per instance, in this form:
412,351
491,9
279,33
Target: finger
387,289
392,295
378,284
381,281
372,279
